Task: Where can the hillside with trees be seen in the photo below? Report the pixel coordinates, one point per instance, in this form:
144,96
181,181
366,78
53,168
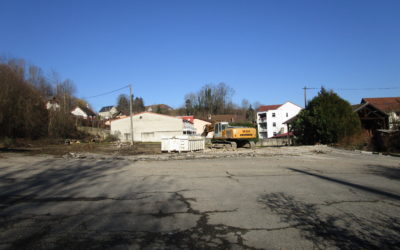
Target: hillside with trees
24,92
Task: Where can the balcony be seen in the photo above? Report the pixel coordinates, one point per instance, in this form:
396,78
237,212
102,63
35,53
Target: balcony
262,129
262,120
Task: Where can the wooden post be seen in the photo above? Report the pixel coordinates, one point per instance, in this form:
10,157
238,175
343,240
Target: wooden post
130,111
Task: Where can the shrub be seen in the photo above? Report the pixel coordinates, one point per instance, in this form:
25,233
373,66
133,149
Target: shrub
111,138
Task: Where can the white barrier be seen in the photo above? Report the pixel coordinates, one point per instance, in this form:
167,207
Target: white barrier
182,143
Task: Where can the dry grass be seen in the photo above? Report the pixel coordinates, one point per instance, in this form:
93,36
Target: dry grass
360,141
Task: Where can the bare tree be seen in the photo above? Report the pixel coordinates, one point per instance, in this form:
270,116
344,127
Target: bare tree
245,104
211,99
39,81
256,105
22,111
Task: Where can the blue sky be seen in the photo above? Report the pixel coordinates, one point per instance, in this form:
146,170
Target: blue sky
266,50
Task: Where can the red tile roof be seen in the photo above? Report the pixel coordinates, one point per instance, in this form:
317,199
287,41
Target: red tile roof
386,104
188,118
283,135
268,107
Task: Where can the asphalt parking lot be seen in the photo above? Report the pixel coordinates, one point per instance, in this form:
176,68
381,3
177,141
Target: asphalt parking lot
292,198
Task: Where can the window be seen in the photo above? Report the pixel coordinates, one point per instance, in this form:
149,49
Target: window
273,114
216,130
274,133
274,124
287,114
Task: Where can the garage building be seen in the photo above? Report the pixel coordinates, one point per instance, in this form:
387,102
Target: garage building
150,127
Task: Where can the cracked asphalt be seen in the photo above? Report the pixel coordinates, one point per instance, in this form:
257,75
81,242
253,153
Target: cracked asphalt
294,198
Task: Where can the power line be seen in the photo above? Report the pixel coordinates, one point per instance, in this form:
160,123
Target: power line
344,89
106,93
368,88
385,88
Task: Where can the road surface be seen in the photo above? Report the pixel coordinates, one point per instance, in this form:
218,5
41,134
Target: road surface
288,199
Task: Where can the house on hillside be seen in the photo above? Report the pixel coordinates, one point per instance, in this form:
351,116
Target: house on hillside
53,105
389,105
83,112
150,127
158,108
271,119
108,112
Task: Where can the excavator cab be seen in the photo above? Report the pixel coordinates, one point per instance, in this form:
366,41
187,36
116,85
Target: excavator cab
219,127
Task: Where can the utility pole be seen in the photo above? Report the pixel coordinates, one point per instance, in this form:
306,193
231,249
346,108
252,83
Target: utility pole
130,111
305,95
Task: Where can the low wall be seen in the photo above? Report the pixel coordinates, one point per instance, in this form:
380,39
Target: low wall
102,133
275,142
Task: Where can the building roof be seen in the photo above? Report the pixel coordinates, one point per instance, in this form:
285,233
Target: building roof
88,111
147,112
188,118
264,108
357,107
291,120
227,118
201,120
386,104
106,108
155,106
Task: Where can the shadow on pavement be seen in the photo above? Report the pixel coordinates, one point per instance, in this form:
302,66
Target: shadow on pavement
100,204
345,231
353,185
385,171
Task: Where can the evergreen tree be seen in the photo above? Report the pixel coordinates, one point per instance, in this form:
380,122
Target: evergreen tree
326,119
123,104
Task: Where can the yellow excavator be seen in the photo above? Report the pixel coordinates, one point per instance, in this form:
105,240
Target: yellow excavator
226,136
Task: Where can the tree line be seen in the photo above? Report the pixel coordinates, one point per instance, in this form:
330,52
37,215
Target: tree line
216,99
123,104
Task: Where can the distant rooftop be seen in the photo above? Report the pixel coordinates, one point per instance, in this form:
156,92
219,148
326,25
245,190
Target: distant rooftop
264,108
106,108
386,104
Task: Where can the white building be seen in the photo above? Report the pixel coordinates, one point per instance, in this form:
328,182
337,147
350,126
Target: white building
53,105
150,127
83,112
108,112
270,119
199,126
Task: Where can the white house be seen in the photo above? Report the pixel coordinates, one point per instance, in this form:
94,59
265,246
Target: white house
53,105
108,112
270,119
83,112
150,127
